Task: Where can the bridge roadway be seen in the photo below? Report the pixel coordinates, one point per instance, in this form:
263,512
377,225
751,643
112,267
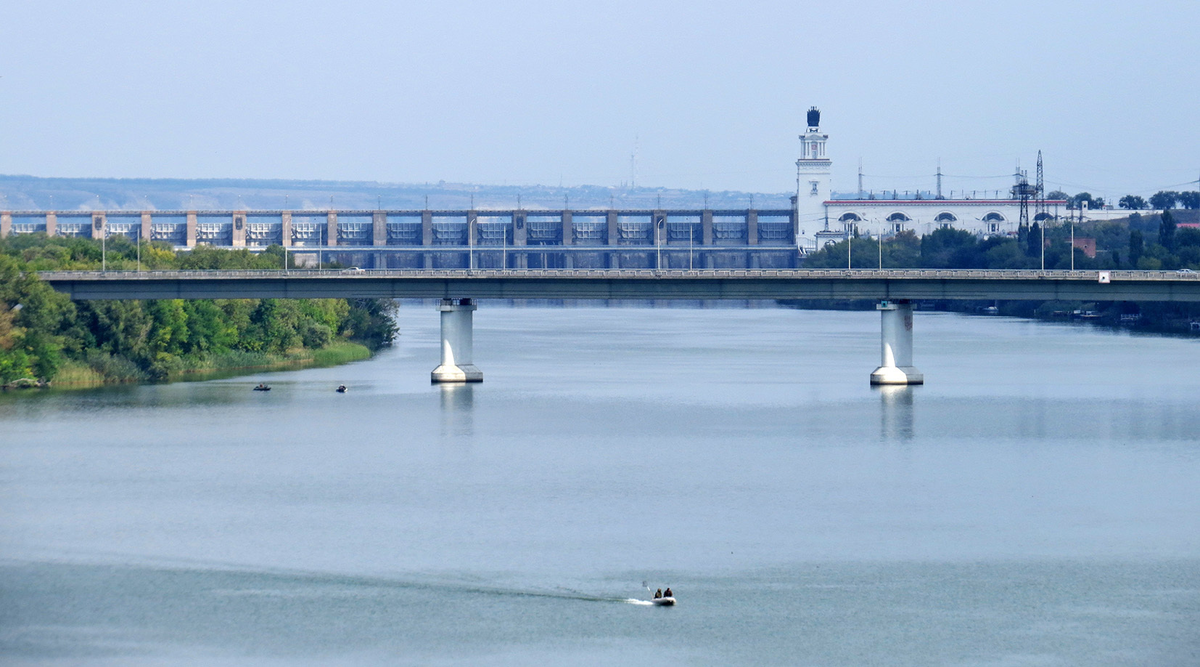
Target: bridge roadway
817,284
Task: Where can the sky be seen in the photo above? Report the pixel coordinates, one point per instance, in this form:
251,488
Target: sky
708,95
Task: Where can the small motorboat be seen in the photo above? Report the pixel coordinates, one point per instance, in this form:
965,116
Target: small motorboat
262,387
342,389
664,602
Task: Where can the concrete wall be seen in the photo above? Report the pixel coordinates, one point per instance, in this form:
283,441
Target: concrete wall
379,228
286,228
239,229
191,229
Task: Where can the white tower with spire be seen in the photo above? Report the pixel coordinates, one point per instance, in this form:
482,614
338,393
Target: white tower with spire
812,177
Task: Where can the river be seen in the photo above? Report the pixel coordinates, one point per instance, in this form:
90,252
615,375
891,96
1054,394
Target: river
1035,504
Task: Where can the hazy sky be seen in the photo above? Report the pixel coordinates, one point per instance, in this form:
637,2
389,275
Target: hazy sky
543,92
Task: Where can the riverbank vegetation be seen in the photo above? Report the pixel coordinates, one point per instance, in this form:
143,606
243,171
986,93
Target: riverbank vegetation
46,338
1146,242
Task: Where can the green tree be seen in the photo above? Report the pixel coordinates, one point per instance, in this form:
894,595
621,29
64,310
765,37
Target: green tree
1163,200
41,329
1033,247
1132,202
948,248
1166,230
1077,201
1136,245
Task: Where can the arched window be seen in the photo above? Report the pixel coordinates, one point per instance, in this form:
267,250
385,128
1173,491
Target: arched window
946,216
993,217
898,217
1042,216
850,217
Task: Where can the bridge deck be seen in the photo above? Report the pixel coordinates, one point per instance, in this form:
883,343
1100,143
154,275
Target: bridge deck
913,284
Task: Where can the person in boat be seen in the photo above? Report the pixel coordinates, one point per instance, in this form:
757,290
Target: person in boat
658,594
667,593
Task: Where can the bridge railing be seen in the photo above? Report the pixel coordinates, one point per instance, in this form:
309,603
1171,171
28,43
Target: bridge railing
683,274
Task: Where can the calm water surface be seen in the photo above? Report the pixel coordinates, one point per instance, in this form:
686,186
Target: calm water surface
1036,504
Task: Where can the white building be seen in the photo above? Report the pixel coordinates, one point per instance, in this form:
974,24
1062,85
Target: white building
821,220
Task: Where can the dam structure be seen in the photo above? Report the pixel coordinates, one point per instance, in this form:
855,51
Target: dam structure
457,239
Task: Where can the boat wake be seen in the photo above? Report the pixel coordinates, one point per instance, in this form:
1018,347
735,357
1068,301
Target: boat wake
240,580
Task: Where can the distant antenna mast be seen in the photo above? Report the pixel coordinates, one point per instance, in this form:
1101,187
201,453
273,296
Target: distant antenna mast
860,188
633,162
1041,187
939,176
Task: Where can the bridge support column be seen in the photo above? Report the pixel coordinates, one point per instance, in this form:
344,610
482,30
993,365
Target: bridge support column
457,341
895,365
5,224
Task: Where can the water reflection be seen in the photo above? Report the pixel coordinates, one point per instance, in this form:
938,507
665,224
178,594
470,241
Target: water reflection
458,406
896,411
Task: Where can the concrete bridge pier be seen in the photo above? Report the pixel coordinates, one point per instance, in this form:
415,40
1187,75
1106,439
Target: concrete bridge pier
895,366
457,341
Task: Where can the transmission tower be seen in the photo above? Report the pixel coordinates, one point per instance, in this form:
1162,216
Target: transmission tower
1041,187
1023,192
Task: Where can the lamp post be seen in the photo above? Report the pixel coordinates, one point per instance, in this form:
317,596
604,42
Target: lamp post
849,243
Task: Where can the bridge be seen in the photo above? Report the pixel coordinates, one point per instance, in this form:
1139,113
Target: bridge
893,289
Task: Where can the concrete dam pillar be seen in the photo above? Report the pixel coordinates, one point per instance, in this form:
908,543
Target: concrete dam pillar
457,341
895,365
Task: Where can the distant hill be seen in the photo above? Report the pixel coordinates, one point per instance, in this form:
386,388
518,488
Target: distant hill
35,193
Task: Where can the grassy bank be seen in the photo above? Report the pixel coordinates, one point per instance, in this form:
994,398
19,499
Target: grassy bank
101,369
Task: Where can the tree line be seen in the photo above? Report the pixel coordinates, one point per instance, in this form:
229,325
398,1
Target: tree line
41,330
1147,242
1159,201
1150,242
